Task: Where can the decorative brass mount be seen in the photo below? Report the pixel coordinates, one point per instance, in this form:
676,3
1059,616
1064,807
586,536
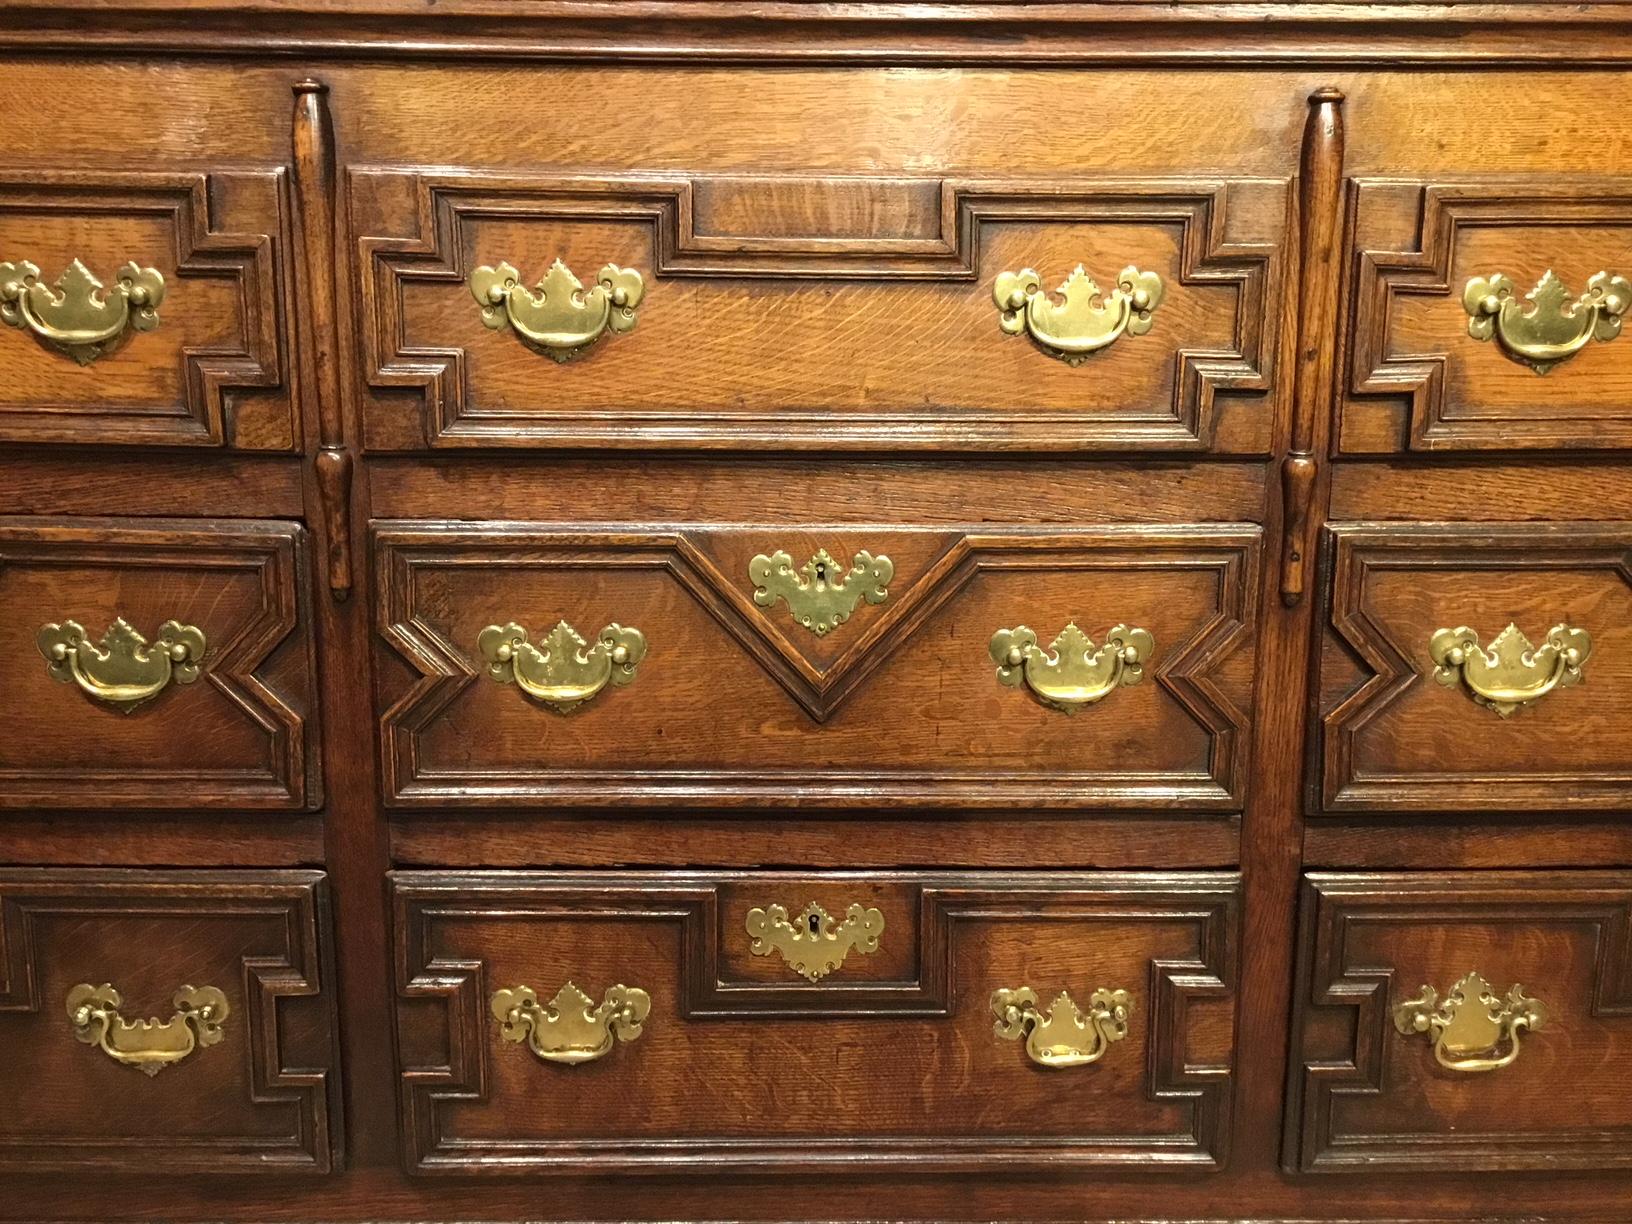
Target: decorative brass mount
1085,319
122,669
1073,672
79,316
1472,1029
815,943
819,595
571,1028
1554,326
563,671
148,1045
1511,673
559,318
1064,1035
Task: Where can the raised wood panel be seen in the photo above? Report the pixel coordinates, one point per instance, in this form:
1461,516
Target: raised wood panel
1417,380
262,1100
214,372
1393,739
735,703
1366,1098
819,312
241,735
859,1069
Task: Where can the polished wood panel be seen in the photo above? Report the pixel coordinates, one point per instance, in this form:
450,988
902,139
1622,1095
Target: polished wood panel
899,703
241,734
890,1065
261,1100
1366,1097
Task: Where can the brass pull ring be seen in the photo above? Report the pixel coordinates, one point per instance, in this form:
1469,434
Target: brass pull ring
571,1028
559,317
148,1045
1064,1035
1473,1029
79,316
1511,673
123,669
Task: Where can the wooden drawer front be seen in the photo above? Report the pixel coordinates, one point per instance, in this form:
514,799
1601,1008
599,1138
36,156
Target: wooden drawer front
235,1071
191,352
889,1059
1403,732
110,718
1388,1077
1433,369
735,701
819,312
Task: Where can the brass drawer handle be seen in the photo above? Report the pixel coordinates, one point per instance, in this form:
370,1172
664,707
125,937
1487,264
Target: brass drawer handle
560,318
815,943
148,1045
1473,1029
1084,320
1511,673
563,671
123,669
571,1028
1063,1036
1553,326
79,316
1072,672
821,594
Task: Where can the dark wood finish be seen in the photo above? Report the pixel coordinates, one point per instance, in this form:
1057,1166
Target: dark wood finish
259,1101
1365,1097
821,196
889,1064
240,735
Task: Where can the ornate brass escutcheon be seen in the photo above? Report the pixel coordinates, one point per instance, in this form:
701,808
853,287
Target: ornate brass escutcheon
79,316
148,1045
1064,1035
815,943
1554,326
563,671
1511,673
1073,672
559,317
820,597
1473,1029
1085,319
123,669
571,1028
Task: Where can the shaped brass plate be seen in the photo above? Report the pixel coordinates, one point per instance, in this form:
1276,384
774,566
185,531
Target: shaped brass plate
1073,672
559,318
79,316
1511,673
1473,1029
563,671
820,597
571,1028
1064,1035
814,944
1085,319
1554,326
148,1045
122,669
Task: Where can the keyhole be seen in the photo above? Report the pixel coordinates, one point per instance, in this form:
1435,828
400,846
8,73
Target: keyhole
815,925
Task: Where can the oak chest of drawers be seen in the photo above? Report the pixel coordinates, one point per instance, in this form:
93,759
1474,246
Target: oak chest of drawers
657,610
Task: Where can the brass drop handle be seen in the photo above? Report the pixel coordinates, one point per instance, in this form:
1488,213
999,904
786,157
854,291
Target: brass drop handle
559,317
571,1028
1085,319
563,671
78,315
1072,672
1473,1029
148,1045
1549,325
1064,1035
815,943
1511,673
821,593
123,669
